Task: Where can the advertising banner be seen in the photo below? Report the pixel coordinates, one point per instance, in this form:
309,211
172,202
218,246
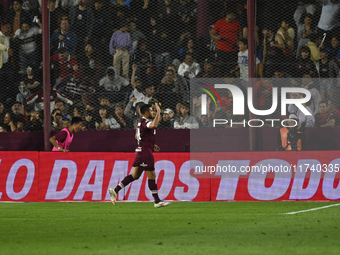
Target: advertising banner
251,176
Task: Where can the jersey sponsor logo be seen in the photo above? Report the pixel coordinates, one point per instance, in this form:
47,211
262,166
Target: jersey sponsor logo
143,164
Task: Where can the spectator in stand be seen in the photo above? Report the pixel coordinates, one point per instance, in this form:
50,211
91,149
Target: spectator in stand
226,32
113,85
189,68
73,87
91,65
55,14
9,123
35,123
106,122
204,121
167,121
243,61
88,122
187,11
304,7
121,49
2,113
26,37
28,85
304,64
132,113
81,20
273,53
324,118
160,45
121,119
209,70
141,11
31,6
6,70
67,4
304,120
180,83
57,122
329,18
189,48
37,99
143,58
18,112
20,126
170,19
334,50
67,64
313,87
61,107
123,3
286,36
264,89
64,38
169,91
333,109
18,16
327,71
143,92
184,120
304,32
181,47
102,24
136,35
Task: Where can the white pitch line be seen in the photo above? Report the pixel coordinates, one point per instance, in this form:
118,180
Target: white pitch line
313,209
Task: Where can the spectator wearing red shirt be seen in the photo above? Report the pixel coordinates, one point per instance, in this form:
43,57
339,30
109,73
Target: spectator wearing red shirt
264,94
226,33
67,63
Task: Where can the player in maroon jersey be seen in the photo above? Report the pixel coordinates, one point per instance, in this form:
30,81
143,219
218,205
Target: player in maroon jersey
144,160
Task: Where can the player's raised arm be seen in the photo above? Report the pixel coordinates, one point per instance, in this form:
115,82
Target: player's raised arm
157,118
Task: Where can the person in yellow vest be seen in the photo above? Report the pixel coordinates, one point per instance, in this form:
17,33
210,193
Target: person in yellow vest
290,137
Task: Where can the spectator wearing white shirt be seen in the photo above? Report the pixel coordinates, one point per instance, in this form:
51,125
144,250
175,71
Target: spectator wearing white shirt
243,60
142,92
184,120
106,121
189,68
26,36
329,18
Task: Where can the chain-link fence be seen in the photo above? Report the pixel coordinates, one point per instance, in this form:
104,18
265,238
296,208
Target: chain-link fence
110,56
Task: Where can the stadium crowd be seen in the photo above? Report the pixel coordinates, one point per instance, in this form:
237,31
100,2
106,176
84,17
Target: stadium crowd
108,57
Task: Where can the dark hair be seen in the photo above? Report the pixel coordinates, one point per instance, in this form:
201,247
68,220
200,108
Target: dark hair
244,41
110,72
185,104
305,49
169,70
62,50
76,120
148,85
19,1
306,15
323,102
145,108
229,11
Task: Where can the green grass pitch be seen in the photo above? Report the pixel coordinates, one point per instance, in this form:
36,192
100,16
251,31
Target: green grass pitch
181,228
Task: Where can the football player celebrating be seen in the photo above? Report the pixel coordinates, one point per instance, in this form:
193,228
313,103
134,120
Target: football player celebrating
144,160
